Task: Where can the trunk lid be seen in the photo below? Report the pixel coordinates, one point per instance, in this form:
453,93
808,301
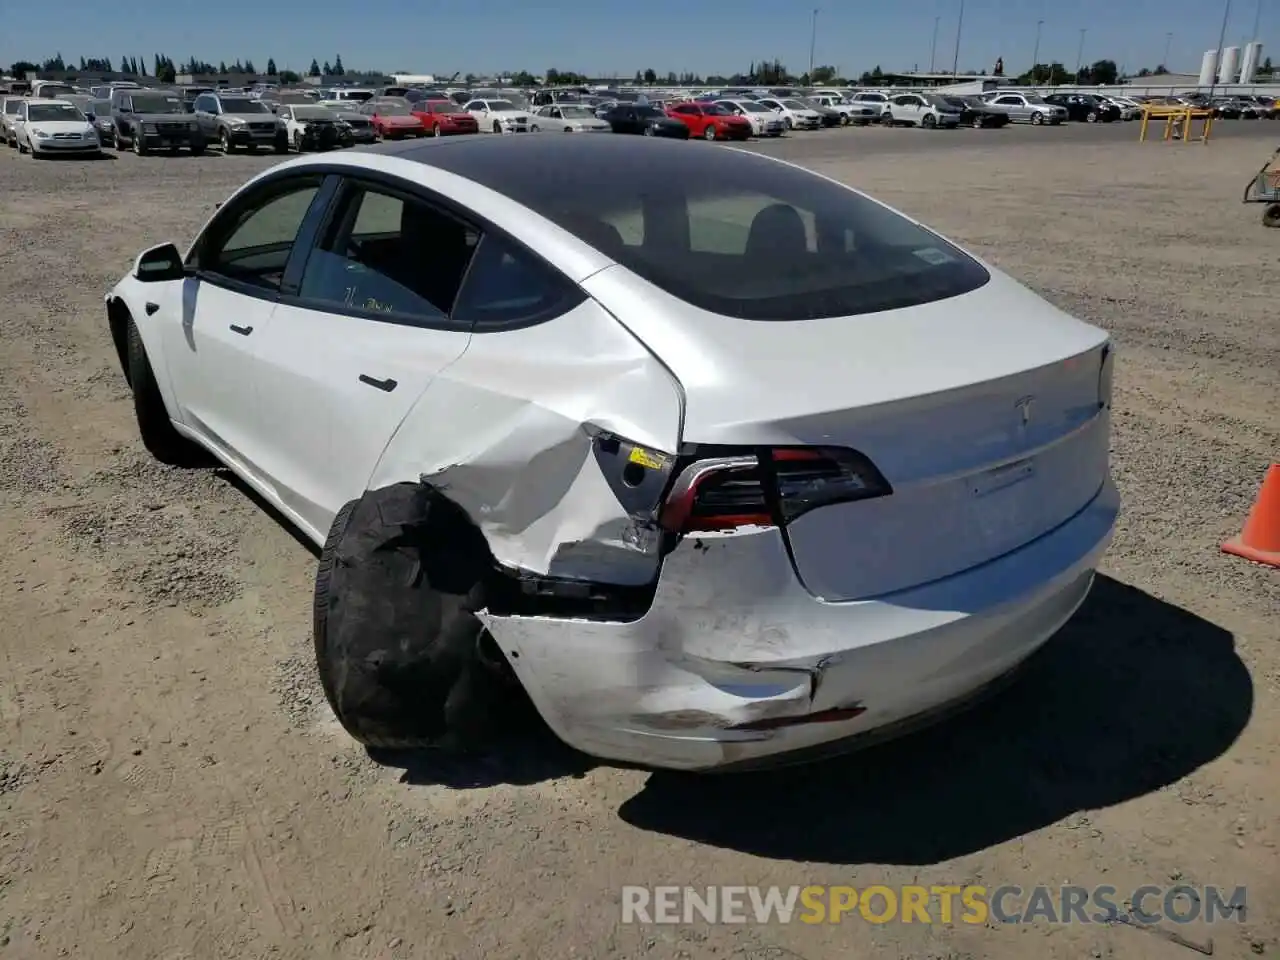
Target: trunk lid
982,411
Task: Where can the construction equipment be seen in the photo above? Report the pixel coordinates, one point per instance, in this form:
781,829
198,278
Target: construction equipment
1265,188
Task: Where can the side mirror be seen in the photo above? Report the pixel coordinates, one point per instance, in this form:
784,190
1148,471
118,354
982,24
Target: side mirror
90,116
159,264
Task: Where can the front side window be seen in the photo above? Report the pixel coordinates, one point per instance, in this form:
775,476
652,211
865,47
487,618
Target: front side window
391,257
751,238
254,245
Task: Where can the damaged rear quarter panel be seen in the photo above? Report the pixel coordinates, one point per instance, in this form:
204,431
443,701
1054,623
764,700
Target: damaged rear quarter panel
506,432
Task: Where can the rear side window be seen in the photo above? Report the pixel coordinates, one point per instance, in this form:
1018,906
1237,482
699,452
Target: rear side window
748,237
508,287
392,257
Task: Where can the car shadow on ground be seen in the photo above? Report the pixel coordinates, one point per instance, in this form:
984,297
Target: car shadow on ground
1132,695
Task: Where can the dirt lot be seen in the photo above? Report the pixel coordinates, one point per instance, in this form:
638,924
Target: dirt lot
172,785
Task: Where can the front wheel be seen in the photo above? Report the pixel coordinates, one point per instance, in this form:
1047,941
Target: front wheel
709,133
1271,216
224,140
886,118
497,127
649,132
139,144
155,428
1092,117
1037,118
789,122
929,121
297,141
532,129
436,131
844,120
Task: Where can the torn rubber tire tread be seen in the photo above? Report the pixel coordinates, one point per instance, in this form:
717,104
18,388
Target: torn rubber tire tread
397,640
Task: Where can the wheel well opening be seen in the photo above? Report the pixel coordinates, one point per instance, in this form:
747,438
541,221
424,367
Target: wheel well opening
508,591
118,318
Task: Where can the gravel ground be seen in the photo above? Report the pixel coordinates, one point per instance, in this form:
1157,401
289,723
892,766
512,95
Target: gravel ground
171,785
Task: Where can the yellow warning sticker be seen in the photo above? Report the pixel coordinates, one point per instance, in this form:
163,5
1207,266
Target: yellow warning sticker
647,458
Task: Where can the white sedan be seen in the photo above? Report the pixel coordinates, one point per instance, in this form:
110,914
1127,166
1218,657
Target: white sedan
500,116
764,122
569,117
793,113
717,461
47,128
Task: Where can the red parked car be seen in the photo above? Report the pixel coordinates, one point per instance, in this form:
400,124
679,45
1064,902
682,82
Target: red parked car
442,118
393,119
710,121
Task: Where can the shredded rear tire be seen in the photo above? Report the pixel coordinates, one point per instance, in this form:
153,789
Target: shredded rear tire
398,644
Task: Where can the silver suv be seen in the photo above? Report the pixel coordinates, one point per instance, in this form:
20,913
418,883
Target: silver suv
238,120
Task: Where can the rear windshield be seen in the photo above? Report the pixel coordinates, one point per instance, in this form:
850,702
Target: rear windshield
745,236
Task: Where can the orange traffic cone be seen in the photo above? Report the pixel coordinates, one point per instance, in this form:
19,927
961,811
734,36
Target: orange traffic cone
1259,541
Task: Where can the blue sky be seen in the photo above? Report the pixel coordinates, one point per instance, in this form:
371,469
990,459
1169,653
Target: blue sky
603,36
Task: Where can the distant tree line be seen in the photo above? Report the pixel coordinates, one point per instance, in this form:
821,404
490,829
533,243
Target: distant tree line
166,70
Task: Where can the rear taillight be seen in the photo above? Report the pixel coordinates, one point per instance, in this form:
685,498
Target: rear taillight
767,487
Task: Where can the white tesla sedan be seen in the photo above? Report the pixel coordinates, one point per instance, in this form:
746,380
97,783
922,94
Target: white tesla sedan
722,462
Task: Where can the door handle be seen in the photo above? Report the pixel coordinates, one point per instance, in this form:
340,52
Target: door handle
387,385
151,307
243,331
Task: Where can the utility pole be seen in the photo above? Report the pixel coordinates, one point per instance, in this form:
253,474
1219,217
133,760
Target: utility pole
1035,55
1080,53
1168,39
933,49
813,42
1222,38
1257,20
955,63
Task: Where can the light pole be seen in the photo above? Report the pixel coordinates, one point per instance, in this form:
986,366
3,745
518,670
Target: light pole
1035,54
1168,39
1080,53
1222,38
933,49
955,63
1257,20
813,42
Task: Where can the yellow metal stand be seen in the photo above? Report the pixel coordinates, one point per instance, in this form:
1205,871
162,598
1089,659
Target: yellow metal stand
1178,121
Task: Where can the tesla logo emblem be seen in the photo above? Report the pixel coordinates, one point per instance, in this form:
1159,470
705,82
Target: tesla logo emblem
1023,407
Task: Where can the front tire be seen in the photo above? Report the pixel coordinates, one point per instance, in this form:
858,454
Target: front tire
1037,118
886,118
1092,117
224,140
403,660
929,121
155,428
139,144
709,133
436,131
497,127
